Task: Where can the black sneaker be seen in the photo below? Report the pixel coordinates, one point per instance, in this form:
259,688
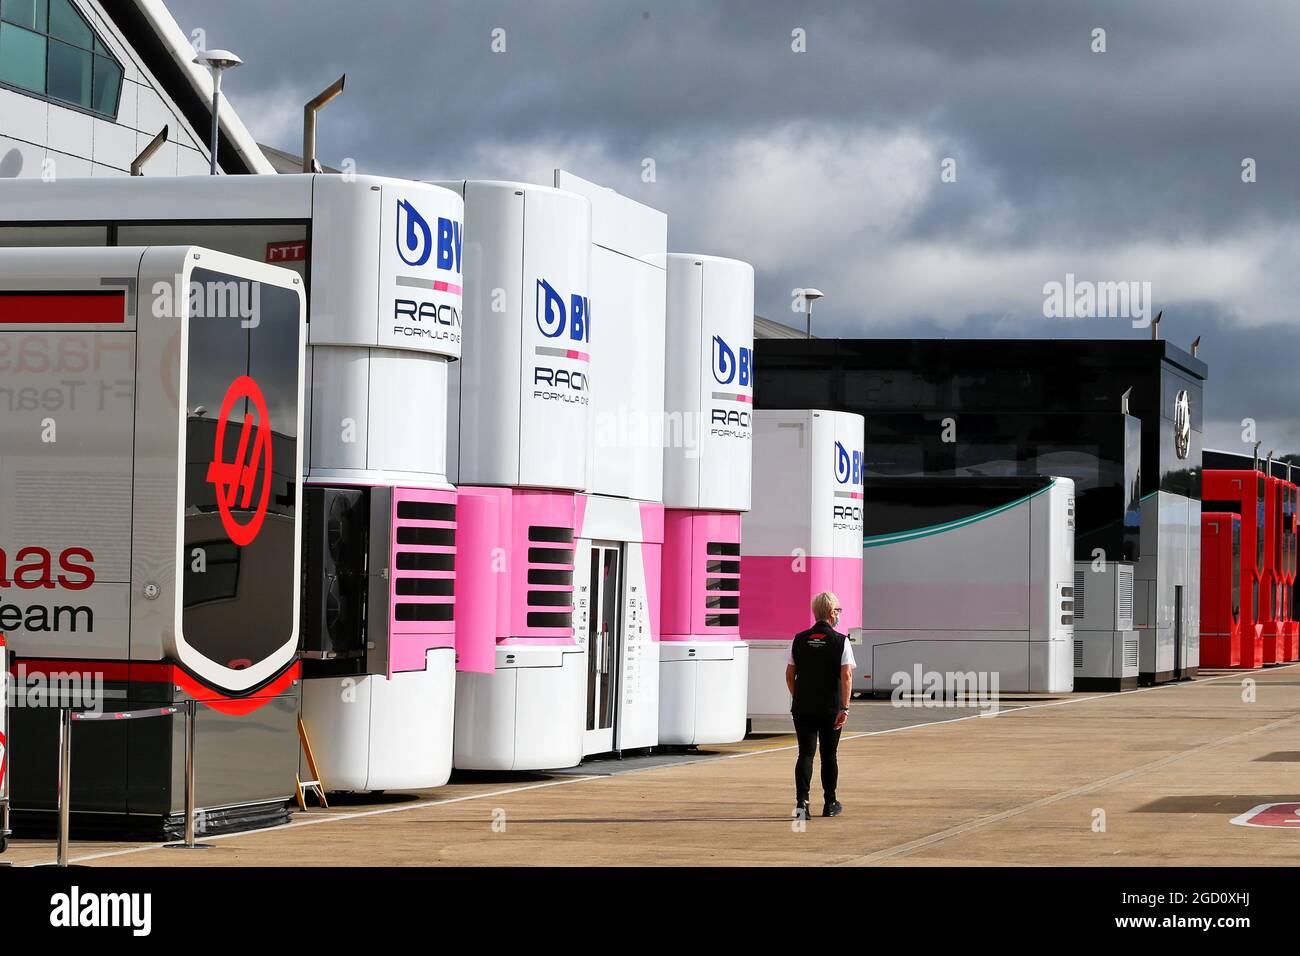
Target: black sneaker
833,809
802,811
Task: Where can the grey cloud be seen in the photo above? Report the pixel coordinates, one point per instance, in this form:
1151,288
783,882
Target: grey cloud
1058,148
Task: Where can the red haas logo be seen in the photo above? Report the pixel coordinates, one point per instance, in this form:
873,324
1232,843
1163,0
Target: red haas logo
234,480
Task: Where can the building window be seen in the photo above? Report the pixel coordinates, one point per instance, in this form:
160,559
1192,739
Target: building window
47,48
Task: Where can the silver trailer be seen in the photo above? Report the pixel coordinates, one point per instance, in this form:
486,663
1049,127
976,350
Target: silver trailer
150,474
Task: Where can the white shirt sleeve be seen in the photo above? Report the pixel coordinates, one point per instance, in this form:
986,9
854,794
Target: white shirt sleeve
847,658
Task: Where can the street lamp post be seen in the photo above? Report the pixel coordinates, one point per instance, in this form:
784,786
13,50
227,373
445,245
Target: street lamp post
809,297
218,61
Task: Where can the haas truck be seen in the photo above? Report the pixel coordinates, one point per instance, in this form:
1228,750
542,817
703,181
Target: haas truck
150,473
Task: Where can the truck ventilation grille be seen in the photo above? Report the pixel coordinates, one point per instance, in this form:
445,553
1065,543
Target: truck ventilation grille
1079,575
1130,653
550,576
1078,654
424,559
722,584
1125,609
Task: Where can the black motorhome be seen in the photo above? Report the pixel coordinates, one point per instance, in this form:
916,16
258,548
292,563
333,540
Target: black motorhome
1032,406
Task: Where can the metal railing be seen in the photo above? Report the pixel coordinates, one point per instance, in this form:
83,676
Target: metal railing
5,761
67,716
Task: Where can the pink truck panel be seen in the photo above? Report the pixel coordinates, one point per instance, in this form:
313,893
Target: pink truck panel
776,593
701,598
530,562
421,602
478,533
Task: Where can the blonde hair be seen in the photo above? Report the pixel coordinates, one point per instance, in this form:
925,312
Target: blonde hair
823,604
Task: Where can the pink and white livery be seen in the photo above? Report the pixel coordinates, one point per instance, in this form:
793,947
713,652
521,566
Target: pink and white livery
709,389
620,526
519,449
559,474
378,698
802,535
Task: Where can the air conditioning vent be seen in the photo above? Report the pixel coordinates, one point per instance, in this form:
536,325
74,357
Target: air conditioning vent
722,585
1079,575
424,560
1124,600
550,599
335,555
1078,654
1131,652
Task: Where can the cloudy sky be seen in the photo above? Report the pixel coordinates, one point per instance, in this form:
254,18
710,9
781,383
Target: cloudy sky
825,167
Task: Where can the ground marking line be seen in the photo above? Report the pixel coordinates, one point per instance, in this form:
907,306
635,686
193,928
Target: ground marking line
903,849
327,818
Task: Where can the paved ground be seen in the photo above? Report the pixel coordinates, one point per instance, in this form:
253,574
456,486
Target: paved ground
1164,769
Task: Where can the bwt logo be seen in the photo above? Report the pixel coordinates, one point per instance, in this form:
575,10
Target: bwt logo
415,239
727,367
847,466
553,318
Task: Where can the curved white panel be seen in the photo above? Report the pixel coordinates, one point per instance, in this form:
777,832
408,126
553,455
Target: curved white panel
528,715
381,733
703,686
525,385
709,383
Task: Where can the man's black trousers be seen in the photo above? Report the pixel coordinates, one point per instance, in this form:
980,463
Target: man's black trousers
812,730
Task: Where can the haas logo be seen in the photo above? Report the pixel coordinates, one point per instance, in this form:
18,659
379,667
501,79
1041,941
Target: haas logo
414,237
235,479
848,465
727,367
553,318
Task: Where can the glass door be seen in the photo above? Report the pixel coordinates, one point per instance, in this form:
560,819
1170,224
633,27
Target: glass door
603,648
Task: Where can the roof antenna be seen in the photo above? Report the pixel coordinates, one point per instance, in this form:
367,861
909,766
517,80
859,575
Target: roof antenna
146,154
1155,326
314,105
1196,346
1255,456
1123,400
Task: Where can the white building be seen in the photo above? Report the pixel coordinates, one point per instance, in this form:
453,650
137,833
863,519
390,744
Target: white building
86,84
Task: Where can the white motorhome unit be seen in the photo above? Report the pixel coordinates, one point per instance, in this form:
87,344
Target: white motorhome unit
709,399
967,576
802,535
518,440
558,462
151,412
619,533
381,259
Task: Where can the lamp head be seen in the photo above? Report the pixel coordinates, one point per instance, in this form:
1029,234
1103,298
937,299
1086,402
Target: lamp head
217,59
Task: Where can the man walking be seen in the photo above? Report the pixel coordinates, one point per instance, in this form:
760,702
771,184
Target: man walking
819,675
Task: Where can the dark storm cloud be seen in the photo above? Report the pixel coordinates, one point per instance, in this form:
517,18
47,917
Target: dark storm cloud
1099,141
822,167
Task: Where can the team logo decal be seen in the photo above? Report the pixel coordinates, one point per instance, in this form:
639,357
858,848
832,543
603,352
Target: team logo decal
234,480
1182,424
414,237
727,367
